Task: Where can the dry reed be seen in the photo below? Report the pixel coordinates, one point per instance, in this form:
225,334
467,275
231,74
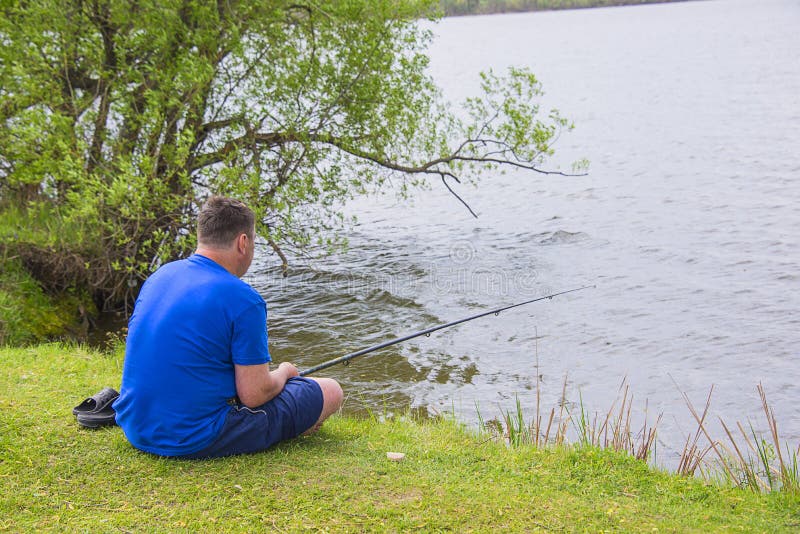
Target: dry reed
758,463
755,462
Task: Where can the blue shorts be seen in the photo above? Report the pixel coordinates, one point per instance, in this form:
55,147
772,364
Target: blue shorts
246,430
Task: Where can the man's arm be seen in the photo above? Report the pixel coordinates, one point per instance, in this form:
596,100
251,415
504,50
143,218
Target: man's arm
256,384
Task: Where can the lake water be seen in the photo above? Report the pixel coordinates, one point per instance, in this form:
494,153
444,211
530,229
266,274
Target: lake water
688,223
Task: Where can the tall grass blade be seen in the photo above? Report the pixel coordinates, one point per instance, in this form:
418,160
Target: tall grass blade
702,427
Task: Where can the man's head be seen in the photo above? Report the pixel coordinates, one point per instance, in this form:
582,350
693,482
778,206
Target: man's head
226,230
222,220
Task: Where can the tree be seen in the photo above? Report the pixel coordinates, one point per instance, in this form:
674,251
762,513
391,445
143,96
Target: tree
118,117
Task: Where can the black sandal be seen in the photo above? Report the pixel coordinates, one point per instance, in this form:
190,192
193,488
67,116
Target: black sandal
97,410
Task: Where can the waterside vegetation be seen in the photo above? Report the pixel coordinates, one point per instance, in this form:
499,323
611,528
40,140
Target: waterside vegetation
57,476
35,305
117,120
746,459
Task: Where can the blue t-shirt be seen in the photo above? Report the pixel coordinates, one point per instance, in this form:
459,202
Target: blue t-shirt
192,321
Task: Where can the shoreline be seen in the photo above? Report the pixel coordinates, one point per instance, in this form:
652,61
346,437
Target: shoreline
451,9
55,475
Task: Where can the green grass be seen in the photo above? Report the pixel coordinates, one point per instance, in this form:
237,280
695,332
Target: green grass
57,476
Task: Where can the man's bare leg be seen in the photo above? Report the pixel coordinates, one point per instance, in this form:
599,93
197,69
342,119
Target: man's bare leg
332,399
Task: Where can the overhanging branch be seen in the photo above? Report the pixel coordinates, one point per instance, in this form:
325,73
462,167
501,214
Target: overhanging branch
501,153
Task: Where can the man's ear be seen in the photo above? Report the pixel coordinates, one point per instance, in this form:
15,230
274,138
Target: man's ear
241,243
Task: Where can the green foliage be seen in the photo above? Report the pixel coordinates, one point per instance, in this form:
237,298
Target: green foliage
118,118
28,314
56,476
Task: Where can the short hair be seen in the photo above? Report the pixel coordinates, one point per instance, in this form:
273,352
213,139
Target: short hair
222,219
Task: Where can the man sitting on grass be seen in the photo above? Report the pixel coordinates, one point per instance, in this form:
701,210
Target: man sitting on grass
196,381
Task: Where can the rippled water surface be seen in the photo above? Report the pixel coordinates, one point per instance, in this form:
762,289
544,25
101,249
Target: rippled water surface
688,223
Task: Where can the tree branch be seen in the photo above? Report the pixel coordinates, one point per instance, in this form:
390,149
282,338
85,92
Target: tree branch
429,167
96,151
101,18
444,181
281,255
132,124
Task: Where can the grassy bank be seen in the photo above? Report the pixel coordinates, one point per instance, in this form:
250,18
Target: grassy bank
56,476
29,311
29,314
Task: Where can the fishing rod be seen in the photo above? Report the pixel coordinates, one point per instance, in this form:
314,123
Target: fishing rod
347,357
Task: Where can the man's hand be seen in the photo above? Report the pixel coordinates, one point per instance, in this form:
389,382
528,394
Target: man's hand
287,368
256,384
